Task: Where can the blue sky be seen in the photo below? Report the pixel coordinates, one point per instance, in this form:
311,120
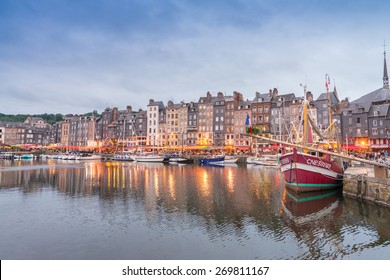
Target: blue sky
74,56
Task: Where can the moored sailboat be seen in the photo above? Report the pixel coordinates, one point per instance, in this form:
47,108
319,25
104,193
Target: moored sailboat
312,165
306,170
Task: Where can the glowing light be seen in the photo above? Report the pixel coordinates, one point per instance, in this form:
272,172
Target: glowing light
230,181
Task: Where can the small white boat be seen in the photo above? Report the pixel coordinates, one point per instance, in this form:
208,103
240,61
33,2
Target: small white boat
89,157
149,158
71,157
268,160
174,160
252,160
123,157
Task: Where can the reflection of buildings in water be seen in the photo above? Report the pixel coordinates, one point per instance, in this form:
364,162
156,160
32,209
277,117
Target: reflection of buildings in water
203,182
172,186
229,180
265,182
23,174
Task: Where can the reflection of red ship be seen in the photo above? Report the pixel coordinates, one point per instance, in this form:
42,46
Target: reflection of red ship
306,207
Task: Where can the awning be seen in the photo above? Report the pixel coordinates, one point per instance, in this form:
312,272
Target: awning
380,146
354,147
242,147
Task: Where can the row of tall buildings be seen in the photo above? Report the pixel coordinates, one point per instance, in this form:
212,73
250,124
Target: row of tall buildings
213,121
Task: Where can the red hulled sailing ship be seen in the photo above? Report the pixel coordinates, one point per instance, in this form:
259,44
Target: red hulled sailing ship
305,169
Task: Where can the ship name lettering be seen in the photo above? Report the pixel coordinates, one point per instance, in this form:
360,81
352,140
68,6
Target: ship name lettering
285,161
319,163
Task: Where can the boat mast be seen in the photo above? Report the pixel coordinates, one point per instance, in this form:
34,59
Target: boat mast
331,126
124,134
305,118
337,155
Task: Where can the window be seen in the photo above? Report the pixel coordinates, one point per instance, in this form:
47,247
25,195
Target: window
374,131
374,122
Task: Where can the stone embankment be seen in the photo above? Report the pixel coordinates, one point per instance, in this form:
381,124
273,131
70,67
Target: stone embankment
363,183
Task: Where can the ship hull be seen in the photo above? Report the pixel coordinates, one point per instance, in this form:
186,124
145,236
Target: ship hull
306,173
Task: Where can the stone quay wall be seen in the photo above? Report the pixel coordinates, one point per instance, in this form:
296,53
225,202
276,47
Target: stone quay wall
360,182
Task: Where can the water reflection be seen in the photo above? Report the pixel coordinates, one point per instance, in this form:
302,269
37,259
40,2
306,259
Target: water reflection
186,211
303,208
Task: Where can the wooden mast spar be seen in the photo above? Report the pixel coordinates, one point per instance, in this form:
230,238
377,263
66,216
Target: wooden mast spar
339,155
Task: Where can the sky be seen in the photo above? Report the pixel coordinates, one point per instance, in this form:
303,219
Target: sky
74,56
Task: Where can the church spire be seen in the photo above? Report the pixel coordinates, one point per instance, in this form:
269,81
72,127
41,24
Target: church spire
385,76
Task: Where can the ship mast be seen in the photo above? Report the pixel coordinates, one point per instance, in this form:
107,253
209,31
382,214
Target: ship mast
305,118
333,137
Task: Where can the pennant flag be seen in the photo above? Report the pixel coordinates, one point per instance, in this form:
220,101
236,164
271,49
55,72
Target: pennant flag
327,81
248,122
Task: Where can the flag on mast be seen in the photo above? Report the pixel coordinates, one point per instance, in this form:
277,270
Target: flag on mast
327,81
248,122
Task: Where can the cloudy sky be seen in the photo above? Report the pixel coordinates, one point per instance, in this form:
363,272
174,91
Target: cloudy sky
73,56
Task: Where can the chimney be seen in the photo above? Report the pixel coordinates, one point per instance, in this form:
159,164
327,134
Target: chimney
115,114
208,96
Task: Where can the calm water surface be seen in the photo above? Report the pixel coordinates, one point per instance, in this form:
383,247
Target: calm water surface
110,210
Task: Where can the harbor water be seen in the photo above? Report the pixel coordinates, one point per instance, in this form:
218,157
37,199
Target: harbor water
52,209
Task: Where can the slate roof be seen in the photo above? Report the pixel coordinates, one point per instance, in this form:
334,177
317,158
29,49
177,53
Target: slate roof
333,98
160,104
382,110
262,98
286,97
355,107
381,95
